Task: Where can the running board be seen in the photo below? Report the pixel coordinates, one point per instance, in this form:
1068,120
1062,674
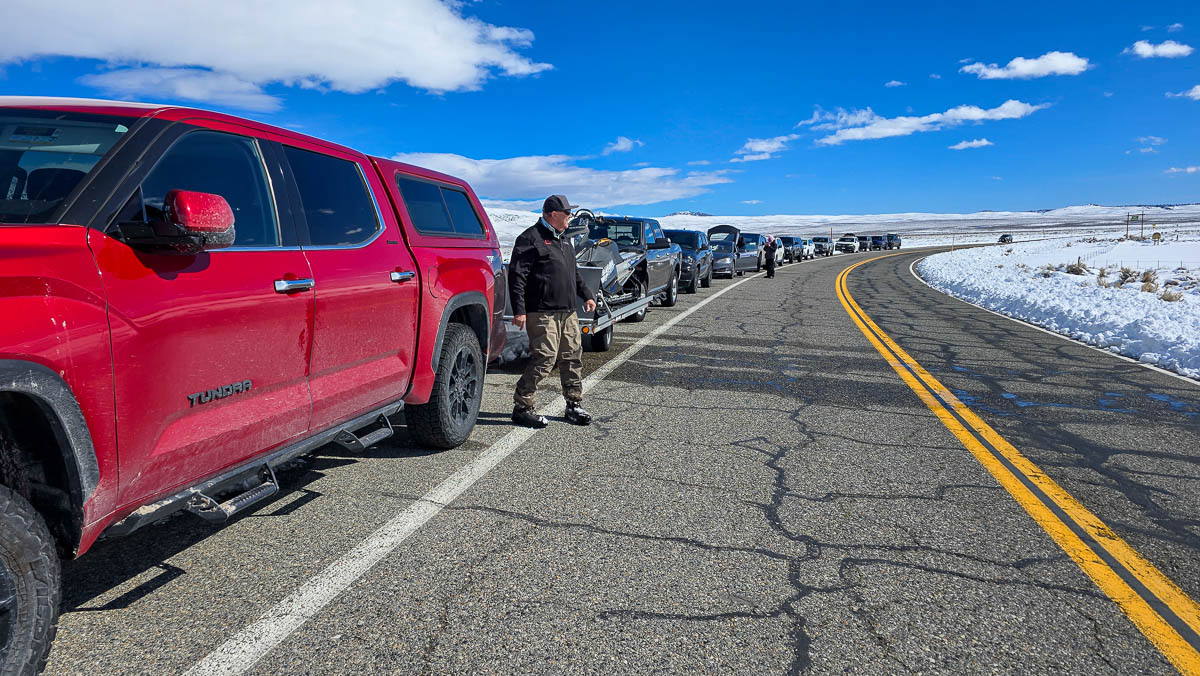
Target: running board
356,444
209,509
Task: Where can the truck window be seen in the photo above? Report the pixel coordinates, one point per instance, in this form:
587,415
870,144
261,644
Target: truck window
337,204
649,233
214,162
439,210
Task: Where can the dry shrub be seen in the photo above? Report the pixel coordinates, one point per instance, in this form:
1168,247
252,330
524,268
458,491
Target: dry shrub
1078,267
1171,282
1149,277
1127,275
1102,278
1172,296
1149,287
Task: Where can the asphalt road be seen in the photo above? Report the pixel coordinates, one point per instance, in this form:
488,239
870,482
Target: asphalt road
760,493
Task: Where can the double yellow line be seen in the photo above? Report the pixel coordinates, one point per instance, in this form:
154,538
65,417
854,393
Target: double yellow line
1159,608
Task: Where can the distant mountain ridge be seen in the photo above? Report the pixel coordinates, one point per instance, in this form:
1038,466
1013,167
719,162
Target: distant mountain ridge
690,213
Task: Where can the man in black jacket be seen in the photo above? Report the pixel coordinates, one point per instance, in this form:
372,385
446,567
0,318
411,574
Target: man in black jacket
542,286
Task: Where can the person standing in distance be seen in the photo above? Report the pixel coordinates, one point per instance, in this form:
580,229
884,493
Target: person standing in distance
769,249
542,286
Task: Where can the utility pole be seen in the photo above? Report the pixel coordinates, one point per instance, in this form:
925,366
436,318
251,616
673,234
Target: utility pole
1141,220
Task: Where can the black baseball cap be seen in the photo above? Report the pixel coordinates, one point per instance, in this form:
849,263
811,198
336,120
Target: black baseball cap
557,203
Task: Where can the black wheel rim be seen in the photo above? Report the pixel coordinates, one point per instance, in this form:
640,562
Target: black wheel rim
8,611
464,385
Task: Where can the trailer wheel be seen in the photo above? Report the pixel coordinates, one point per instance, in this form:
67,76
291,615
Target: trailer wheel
30,586
601,341
447,420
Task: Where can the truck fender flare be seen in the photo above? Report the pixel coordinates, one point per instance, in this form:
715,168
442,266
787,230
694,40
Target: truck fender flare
70,428
463,300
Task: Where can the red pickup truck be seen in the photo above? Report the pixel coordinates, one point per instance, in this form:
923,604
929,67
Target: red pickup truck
189,300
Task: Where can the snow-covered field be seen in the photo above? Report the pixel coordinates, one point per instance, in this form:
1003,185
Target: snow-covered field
1132,297
917,229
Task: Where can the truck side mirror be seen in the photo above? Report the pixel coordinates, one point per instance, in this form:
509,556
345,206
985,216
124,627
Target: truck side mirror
193,222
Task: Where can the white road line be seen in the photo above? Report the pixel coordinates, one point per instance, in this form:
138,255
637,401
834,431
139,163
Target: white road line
245,648
1152,367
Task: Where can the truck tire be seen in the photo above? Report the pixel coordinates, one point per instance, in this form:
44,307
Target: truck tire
672,296
694,284
447,420
707,281
641,293
601,341
30,586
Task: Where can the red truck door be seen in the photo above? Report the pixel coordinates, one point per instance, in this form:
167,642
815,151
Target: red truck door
367,288
210,356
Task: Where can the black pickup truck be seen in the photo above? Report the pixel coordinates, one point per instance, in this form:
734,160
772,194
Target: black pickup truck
663,259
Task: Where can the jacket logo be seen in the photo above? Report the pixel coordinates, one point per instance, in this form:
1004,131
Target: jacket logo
219,393
548,242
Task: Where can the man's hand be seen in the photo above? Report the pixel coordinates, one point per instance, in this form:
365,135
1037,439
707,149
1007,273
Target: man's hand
589,305
519,321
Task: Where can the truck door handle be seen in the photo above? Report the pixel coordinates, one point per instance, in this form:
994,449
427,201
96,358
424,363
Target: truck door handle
293,285
400,277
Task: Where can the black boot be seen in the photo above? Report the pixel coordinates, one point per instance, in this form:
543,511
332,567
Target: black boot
525,417
576,415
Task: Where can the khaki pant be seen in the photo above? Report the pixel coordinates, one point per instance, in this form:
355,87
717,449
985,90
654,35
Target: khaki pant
553,339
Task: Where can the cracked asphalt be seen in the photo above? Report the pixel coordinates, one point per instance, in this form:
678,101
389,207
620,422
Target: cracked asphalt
760,493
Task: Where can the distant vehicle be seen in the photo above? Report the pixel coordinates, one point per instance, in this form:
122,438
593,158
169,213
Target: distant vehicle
1006,239
878,242
847,244
822,246
893,240
730,254
780,252
849,234
864,243
807,249
791,248
697,259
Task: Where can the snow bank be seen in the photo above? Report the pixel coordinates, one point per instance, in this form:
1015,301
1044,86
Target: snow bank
1093,302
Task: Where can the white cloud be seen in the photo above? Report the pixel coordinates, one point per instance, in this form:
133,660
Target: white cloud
935,76
861,125
894,83
1174,27
1020,68
751,201
1108,95
349,47
621,145
1183,170
1147,28
187,84
977,143
642,164
1193,94
527,180
699,163
756,149
1166,50
1147,150
997,178
1151,140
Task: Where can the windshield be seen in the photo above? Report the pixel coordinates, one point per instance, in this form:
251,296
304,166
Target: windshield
721,237
847,239
44,154
723,247
685,238
823,240
621,233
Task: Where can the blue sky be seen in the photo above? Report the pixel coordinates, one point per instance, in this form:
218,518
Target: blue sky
662,106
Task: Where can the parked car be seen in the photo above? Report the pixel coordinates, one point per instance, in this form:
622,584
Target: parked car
663,260
847,244
864,243
215,297
823,246
807,249
697,268
878,242
793,248
893,240
1006,239
781,252
755,242
731,256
